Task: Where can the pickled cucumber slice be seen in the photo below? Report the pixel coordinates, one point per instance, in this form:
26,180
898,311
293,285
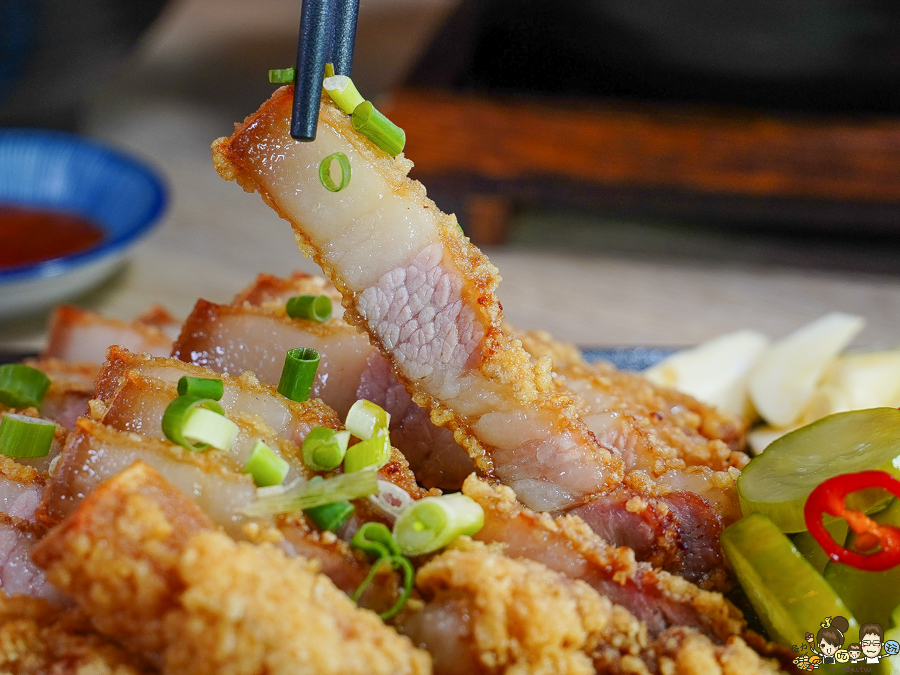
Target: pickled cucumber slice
777,482
870,595
789,596
810,549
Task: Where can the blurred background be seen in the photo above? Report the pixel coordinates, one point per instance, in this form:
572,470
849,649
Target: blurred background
653,172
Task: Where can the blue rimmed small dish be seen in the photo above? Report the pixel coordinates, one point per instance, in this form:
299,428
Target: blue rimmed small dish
63,172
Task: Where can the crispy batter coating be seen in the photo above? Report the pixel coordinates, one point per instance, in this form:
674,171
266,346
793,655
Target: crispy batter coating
523,618
38,638
568,545
117,554
145,564
518,617
682,651
278,617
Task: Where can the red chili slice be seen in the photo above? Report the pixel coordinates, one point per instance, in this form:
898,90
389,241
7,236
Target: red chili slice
830,497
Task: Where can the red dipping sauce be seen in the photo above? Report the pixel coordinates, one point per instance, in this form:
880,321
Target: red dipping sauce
30,235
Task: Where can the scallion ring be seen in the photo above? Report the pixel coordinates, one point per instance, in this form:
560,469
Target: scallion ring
379,129
312,307
433,522
343,92
371,454
25,437
366,420
22,386
204,387
298,374
325,172
324,449
375,539
197,423
265,465
282,76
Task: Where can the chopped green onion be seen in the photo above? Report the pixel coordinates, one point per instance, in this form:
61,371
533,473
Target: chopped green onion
343,92
379,129
324,448
375,452
329,70
375,539
25,437
197,423
316,493
22,386
433,522
366,420
325,172
265,465
204,387
312,307
298,373
330,517
282,76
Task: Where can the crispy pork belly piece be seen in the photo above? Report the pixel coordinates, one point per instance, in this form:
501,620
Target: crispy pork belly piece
21,488
270,292
71,387
96,452
487,613
682,651
38,638
194,601
216,483
568,546
426,297
82,336
133,391
254,337
483,614
231,340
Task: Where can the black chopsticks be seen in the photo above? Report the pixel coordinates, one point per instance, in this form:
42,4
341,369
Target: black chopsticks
327,35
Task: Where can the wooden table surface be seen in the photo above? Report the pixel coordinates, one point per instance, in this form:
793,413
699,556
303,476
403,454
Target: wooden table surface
585,277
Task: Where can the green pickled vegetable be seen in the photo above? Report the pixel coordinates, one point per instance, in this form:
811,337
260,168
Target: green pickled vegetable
777,482
873,596
789,596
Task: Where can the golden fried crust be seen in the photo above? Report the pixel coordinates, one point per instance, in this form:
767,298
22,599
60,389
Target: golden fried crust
37,638
117,554
250,609
142,561
573,546
525,618
682,651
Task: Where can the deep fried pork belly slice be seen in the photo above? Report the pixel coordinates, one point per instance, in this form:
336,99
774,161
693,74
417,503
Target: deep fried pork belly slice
350,369
231,340
425,296
95,452
82,336
566,545
133,391
71,387
20,493
487,613
145,564
38,638
272,293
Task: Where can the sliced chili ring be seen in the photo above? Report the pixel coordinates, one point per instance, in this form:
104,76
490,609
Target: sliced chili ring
830,498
